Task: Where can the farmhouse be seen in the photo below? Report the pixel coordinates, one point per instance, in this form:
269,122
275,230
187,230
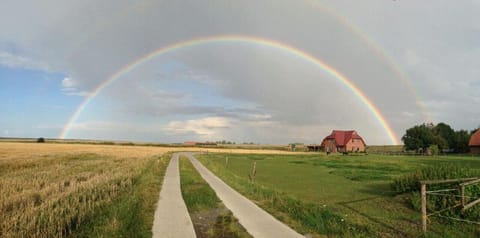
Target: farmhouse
475,143
343,141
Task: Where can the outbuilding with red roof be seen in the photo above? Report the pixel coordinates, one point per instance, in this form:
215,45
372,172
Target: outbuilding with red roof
475,143
343,141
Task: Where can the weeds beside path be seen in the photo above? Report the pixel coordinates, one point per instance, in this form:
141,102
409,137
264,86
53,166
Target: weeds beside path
211,219
131,215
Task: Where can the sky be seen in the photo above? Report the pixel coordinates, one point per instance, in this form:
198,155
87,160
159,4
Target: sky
403,63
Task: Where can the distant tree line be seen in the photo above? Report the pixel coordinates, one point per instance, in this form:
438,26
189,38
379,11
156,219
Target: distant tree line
431,138
224,142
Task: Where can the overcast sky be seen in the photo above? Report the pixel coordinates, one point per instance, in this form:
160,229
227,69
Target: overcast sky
417,61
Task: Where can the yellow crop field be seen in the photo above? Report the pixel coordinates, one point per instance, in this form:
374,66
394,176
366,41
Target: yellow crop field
51,189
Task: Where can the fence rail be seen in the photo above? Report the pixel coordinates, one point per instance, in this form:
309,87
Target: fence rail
463,183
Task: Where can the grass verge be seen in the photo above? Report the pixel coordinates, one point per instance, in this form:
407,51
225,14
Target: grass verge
132,213
209,216
307,218
337,196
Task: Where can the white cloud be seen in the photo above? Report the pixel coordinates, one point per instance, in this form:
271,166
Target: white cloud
17,61
70,88
69,83
202,126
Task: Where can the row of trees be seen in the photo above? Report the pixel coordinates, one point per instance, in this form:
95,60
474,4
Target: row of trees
440,137
225,142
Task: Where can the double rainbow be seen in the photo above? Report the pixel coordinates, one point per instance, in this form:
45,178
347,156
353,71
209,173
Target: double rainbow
375,112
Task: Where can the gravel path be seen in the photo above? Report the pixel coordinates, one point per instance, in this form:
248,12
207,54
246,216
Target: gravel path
171,217
255,220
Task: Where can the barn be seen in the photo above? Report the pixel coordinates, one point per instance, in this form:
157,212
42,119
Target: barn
343,141
475,143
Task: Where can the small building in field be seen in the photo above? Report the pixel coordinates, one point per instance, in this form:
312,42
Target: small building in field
343,142
475,143
195,143
313,148
190,143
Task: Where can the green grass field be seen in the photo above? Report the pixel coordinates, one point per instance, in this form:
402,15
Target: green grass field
337,196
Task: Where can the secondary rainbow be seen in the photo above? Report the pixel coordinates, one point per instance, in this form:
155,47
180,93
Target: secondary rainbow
237,39
377,50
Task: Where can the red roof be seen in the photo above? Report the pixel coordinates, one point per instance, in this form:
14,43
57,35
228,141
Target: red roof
343,137
475,139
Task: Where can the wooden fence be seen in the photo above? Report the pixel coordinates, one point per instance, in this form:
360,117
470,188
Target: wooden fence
461,187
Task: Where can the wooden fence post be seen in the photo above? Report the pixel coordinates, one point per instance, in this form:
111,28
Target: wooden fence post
254,171
424,207
466,181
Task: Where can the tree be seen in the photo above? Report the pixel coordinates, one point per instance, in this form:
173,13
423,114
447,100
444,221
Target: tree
441,135
445,136
41,140
474,130
418,137
462,138
293,146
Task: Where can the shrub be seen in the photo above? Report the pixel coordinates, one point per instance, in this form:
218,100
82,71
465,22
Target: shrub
411,182
434,150
444,199
41,140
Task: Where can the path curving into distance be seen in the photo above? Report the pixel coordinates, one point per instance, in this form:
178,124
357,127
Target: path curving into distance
172,219
255,220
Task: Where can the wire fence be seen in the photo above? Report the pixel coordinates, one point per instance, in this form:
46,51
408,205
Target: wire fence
458,219
441,192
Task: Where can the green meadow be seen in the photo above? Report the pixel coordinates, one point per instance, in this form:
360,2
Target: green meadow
336,195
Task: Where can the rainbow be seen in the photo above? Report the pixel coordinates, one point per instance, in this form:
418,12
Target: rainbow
377,50
237,39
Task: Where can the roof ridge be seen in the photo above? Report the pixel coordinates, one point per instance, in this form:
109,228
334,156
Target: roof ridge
475,139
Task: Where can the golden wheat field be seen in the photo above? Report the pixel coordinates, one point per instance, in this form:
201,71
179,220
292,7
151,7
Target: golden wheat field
48,190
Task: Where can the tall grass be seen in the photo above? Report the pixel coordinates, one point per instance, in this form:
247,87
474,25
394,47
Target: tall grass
52,195
410,183
196,193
